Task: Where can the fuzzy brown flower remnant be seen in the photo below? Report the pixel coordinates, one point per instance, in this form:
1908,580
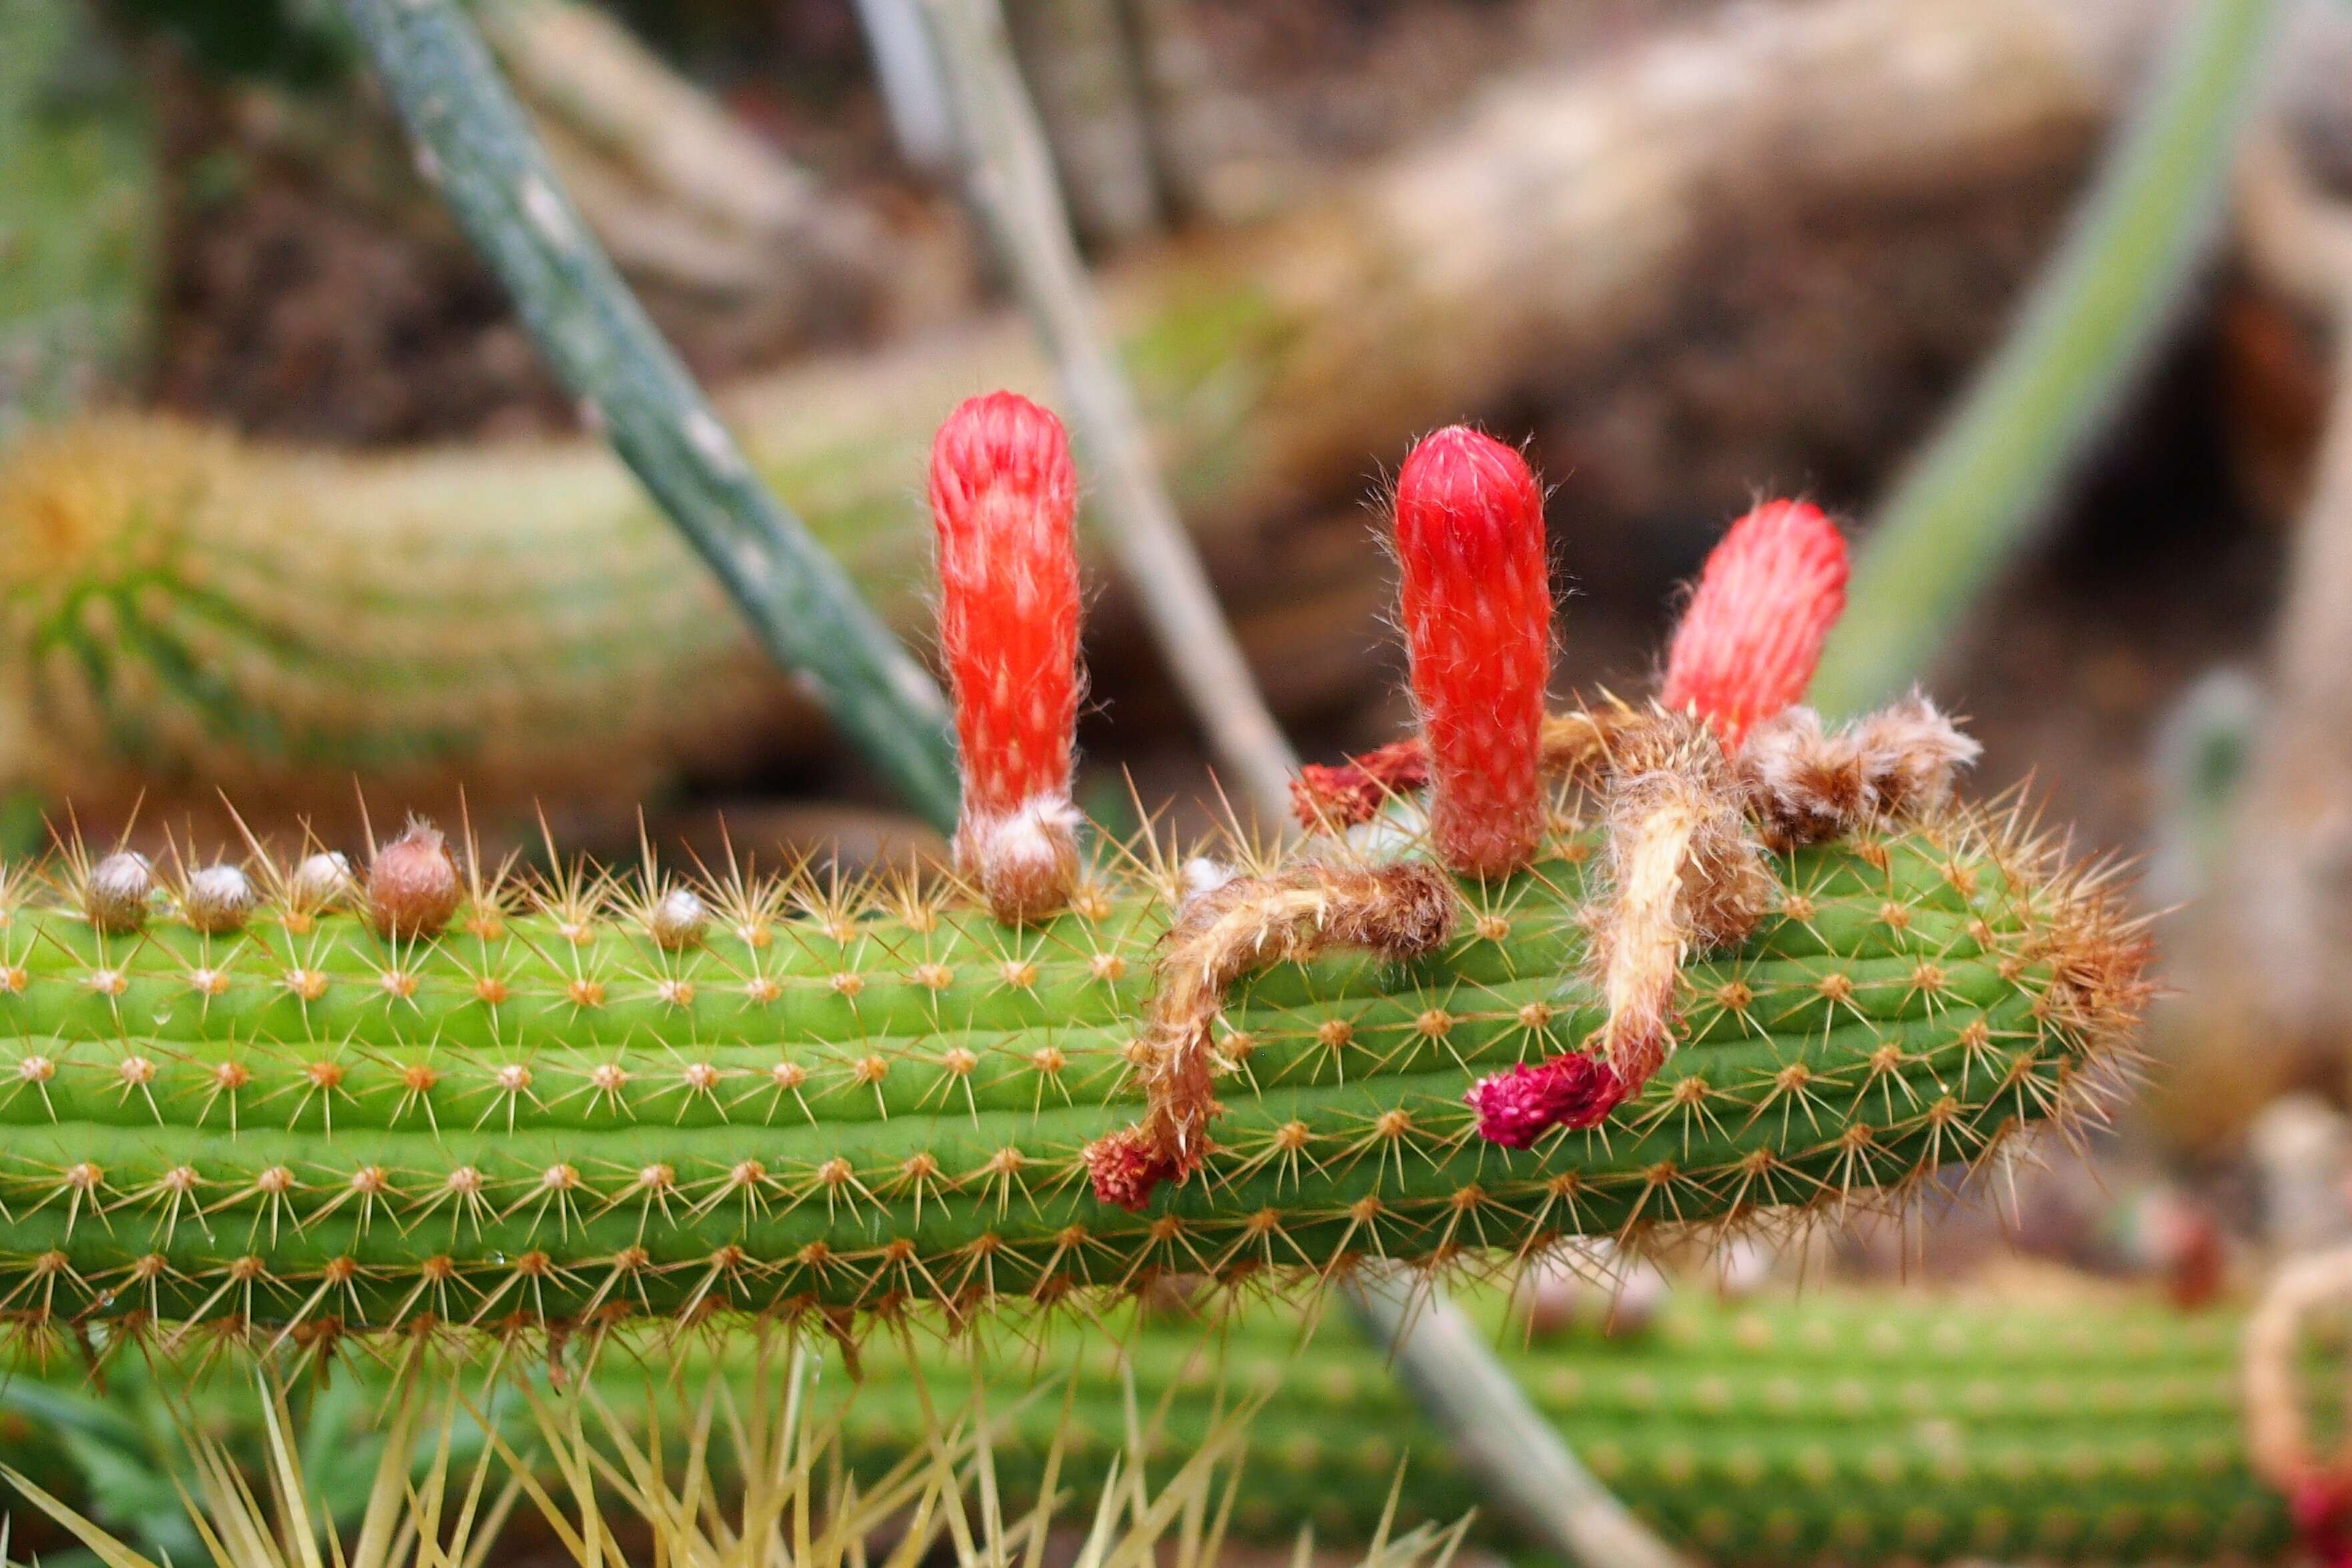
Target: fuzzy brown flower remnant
1685,874
1246,925
1808,782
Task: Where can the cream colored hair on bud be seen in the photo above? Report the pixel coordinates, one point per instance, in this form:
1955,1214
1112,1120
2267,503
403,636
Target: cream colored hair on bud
217,899
116,892
678,921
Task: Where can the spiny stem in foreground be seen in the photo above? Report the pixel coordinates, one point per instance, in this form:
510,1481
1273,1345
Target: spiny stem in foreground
877,1097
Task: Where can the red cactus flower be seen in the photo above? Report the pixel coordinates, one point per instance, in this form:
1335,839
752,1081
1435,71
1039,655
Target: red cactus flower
1004,498
1519,1106
1340,795
1749,641
1125,1169
1477,621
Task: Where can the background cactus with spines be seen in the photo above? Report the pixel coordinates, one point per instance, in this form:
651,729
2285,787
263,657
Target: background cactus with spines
869,1096
2055,1422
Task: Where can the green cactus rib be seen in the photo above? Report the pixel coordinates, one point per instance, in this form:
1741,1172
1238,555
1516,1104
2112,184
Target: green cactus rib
1852,1424
1848,1427
871,1098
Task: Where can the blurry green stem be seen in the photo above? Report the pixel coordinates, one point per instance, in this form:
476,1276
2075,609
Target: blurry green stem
1964,506
474,143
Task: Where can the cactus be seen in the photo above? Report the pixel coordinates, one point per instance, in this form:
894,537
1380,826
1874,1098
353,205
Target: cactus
859,1096
1856,1424
429,1098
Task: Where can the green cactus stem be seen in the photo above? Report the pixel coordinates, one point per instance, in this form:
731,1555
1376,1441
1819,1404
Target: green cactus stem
1849,1425
788,1097
2057,1422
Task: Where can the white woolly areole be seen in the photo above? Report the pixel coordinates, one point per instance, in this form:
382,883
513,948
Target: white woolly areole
1025,860
218,898
1034,834
322,879
1201,877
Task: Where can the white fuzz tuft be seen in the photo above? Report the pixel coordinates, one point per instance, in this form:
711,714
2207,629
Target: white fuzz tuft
1025,860
322,881
217,899
1202,876
115,894
677,920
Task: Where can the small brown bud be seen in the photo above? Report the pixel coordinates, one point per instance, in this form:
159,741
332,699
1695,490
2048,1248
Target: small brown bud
412,887
114,895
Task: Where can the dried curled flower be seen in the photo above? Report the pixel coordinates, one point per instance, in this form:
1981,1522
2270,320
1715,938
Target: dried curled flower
1340,795
1517,1107
1476,609
1126,1170
1004,503
1752,637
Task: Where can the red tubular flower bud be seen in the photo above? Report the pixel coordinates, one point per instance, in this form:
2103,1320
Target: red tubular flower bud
1749,641
1477,619
1004,499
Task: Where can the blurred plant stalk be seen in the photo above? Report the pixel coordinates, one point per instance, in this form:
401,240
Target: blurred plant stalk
1970,499
480,152
546,635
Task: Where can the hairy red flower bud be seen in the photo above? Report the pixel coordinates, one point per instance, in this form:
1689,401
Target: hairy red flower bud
1766,597
412,887
1004,500
1476,608
1517,1107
